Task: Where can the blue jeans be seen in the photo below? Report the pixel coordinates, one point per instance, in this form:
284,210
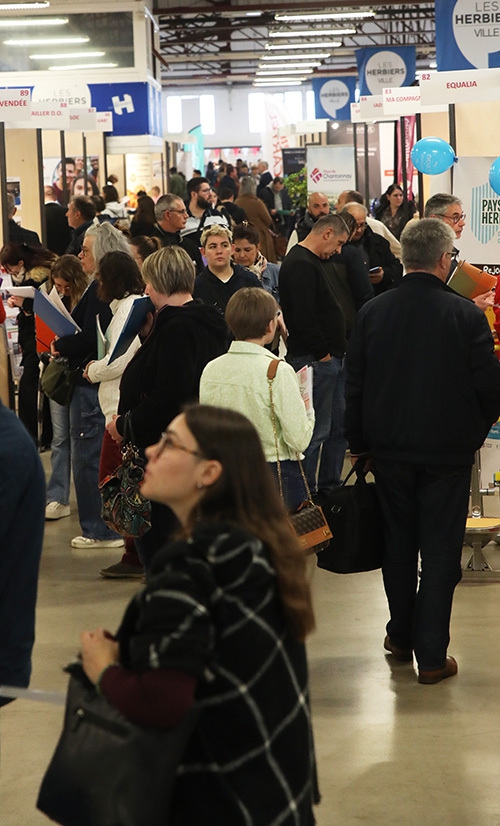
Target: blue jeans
324,458
60,457
86,422
424,509
294,490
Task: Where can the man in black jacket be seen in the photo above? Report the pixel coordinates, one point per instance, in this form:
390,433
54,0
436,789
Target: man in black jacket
18,233
423,389
171,217
80,214
317,337
384,269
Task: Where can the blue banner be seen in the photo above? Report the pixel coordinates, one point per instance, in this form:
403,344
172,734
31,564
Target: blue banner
384,68
467,34
136,107
333,97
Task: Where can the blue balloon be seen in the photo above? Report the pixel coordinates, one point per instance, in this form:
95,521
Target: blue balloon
494,176
432,156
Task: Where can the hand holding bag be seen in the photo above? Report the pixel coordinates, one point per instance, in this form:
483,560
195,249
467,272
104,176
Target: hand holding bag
58,380
308,522
107,771
124,508
354,515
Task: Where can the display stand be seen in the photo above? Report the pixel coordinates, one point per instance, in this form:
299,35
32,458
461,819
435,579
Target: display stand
479,531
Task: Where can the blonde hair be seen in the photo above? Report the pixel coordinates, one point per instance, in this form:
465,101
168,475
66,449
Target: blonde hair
215,229
169,271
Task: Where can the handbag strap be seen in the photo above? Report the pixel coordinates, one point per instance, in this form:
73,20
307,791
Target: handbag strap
271,375
357,468
128,433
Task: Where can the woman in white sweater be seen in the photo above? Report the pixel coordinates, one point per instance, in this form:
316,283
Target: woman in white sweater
239,381
120,283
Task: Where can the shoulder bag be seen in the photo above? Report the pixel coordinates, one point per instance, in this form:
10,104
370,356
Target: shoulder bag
354,515
107,771
123,507
308,522
58,380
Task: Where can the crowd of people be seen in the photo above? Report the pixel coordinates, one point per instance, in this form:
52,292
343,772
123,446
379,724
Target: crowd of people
226,607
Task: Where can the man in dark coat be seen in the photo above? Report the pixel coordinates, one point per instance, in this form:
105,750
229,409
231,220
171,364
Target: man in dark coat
58,229
18,233
171,217
22,507
423,389
384,269
80,214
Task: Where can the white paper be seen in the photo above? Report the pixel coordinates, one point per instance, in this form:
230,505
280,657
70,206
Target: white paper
24,292
305,377
58,302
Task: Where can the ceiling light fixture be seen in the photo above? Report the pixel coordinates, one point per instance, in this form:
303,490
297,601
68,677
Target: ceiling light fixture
83,66
276,82
46,41
22,22
300,64
313,33
317,56
66,56
325,44
15,6
348,15
274,71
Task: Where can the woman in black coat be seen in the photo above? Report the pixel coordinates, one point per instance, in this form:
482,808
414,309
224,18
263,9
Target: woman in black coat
165,372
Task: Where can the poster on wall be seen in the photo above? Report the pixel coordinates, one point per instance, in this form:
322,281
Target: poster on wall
379,68
467,34
480,240
333,96
293,160
330,169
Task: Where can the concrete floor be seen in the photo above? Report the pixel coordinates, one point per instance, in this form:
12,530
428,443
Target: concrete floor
390,752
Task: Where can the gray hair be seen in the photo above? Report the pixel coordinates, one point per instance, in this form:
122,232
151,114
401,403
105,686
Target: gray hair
248,185
11,205
169,271
165,203
353,207
438,204
107,239
424,242
331,221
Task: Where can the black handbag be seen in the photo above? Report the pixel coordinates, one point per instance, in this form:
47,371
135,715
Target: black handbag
354,515
308,521
107,771
123,507
58,380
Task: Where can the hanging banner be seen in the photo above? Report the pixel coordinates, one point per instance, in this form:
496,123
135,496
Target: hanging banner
273,141
475,85
467,34
333,96
15,104
371,107
409,139
480,240
330,169
379,68
82,119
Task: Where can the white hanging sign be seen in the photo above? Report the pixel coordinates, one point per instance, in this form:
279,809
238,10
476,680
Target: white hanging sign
49,116
355,113
15,104
82,119
406,100
474,85
371,107
104,121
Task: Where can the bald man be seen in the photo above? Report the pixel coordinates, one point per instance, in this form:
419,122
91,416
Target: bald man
317,206
349,196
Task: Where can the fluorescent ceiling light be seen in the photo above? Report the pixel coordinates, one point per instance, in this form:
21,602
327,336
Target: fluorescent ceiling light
253,14
83,66
313,33
66,56
45,41
300,65
433,64
277,82
317,56
348,15
21,22
15,6
325,44
260,73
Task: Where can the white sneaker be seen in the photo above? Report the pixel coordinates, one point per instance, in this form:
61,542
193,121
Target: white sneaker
87,542
56,510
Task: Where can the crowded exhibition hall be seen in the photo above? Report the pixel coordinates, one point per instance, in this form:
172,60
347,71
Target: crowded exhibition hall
249,413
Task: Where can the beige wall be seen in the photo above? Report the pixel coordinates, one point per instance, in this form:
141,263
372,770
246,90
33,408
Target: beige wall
21,162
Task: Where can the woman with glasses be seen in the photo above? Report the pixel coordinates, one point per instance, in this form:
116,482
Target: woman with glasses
239,380
395,209
221,622
85,414
164,374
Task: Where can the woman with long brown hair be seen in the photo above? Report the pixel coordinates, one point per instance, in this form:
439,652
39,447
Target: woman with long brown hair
223,619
